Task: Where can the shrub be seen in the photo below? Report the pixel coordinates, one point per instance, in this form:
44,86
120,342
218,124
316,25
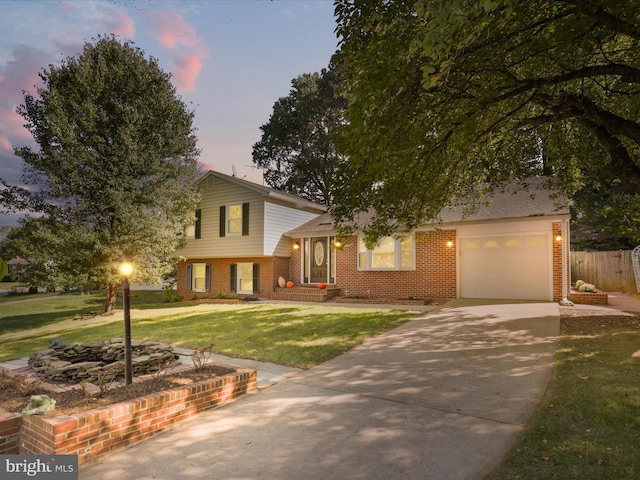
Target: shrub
170,295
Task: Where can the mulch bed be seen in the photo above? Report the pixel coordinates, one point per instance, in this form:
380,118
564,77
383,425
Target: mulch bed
593,320
12,399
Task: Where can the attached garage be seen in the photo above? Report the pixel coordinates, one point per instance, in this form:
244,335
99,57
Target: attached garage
513,245
507,261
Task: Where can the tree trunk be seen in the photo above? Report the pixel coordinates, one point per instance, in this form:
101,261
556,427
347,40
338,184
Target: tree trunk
112,295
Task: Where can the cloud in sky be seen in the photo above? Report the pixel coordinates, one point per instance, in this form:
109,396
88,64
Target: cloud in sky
83,21
18,74
120,25
179,37
230,61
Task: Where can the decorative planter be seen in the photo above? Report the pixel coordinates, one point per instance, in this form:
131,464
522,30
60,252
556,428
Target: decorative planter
94,433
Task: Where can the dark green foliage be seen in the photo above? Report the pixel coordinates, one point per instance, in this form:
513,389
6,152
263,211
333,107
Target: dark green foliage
4,269
298,151
449,98
116,166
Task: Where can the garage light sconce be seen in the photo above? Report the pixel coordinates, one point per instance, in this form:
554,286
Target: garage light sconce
450,243
558,238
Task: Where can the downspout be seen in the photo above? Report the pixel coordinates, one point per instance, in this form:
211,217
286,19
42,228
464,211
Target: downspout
566,241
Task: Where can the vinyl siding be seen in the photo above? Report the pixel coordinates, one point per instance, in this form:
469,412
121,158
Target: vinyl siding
277,220
211,245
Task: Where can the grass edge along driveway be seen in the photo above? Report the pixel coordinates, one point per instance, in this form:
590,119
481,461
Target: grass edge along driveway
295,335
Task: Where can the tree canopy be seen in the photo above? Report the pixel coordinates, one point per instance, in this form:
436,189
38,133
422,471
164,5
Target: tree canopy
115,171
298,151
449,98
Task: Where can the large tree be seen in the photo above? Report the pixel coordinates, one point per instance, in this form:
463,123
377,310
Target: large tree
450,97
298,151
115,168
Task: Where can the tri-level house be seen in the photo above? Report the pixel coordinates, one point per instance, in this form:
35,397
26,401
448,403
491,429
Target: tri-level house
248,236
237,244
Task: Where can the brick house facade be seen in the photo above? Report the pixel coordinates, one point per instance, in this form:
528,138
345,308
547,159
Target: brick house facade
517,247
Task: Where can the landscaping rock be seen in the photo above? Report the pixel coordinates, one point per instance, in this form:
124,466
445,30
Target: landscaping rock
88,362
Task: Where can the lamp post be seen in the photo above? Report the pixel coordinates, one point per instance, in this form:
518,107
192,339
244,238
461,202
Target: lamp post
125,269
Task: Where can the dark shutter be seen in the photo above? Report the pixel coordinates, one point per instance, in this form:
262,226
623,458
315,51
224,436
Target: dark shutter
198,223
245,219
223,221
207,278
189,269
256,277
232,285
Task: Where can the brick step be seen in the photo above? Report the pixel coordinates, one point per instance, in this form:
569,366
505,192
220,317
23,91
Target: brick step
305,294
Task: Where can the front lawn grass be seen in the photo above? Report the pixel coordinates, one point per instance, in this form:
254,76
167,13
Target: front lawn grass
295,335
588,425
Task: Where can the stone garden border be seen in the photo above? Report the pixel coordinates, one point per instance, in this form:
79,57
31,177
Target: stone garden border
94,433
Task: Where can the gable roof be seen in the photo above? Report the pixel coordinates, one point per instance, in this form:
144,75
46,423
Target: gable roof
515,200
533,198
268,192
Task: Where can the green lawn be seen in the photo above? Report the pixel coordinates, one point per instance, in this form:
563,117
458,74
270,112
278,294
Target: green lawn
300,335
588,425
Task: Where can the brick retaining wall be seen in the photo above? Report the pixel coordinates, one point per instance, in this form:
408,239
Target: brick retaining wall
97,432
9,433
595,298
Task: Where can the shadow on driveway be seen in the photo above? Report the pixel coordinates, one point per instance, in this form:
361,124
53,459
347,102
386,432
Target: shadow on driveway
441,397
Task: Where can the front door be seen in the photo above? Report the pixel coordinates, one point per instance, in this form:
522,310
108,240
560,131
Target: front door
319,260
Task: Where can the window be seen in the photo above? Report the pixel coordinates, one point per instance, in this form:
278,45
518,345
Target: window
234,219
245,278
198,275
194,230
390,253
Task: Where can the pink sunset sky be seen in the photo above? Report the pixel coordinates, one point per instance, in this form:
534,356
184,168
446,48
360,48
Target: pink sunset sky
230,61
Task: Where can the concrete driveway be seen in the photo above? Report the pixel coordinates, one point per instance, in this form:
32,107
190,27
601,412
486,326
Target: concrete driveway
441,397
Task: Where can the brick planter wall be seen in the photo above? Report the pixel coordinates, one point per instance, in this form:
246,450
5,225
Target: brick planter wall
97,432
596,298
9,433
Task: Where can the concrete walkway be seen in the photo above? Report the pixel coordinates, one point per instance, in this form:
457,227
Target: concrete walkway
441,397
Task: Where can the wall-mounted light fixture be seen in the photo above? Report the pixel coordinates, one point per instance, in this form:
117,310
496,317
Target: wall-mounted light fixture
296,245
338,244
558,238
450,243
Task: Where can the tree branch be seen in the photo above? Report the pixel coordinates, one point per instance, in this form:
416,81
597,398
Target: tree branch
631,74
605,18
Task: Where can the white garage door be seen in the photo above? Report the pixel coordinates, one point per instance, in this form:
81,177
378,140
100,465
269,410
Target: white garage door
506,266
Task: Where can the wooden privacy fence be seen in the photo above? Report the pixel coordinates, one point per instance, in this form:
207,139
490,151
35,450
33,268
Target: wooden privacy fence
608,271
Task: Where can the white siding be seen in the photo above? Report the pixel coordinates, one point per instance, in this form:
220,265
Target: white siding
279,219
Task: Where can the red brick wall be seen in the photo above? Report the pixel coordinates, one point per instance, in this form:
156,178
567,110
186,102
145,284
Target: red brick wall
433,277
9,433
557,260
96,432
270,269
281,269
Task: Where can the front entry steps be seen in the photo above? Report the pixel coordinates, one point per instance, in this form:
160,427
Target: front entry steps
305,293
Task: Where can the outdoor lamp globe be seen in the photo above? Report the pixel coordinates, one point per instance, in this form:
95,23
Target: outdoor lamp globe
125,269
